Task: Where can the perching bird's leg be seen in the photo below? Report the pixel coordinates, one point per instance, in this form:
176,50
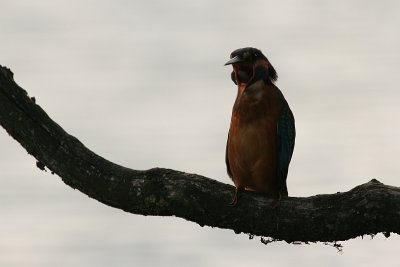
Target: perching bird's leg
277,201
235,197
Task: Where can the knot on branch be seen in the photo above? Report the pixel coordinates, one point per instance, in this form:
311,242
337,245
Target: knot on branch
6,72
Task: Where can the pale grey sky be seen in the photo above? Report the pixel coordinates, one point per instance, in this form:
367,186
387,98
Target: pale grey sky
142,83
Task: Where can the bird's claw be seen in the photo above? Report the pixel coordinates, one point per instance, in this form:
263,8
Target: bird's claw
276,202
235,198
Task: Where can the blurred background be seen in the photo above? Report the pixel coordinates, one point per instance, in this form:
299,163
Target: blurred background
142,83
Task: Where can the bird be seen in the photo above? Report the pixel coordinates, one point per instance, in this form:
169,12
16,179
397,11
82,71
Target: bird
262,130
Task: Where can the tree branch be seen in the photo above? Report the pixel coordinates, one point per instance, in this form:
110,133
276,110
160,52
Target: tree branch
367,209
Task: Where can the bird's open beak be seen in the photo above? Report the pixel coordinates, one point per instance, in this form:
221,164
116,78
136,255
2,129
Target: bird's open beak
234,60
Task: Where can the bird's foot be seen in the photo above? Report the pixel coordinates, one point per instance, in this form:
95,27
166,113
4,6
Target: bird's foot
235,197
276,202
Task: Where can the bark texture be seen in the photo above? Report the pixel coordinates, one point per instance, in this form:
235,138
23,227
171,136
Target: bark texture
367,209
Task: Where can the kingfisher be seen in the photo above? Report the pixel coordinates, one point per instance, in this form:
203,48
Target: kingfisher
262,131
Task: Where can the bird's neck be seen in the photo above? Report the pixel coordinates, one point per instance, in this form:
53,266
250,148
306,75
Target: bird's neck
250,100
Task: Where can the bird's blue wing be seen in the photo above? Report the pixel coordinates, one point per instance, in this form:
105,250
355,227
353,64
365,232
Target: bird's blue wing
228,166
286,138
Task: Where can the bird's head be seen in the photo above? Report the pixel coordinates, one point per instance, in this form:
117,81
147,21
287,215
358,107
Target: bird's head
250,65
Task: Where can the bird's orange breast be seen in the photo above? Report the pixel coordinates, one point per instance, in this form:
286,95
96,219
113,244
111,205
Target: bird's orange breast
252,143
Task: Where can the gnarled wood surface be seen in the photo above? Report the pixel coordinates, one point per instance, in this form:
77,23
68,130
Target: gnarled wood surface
367,209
